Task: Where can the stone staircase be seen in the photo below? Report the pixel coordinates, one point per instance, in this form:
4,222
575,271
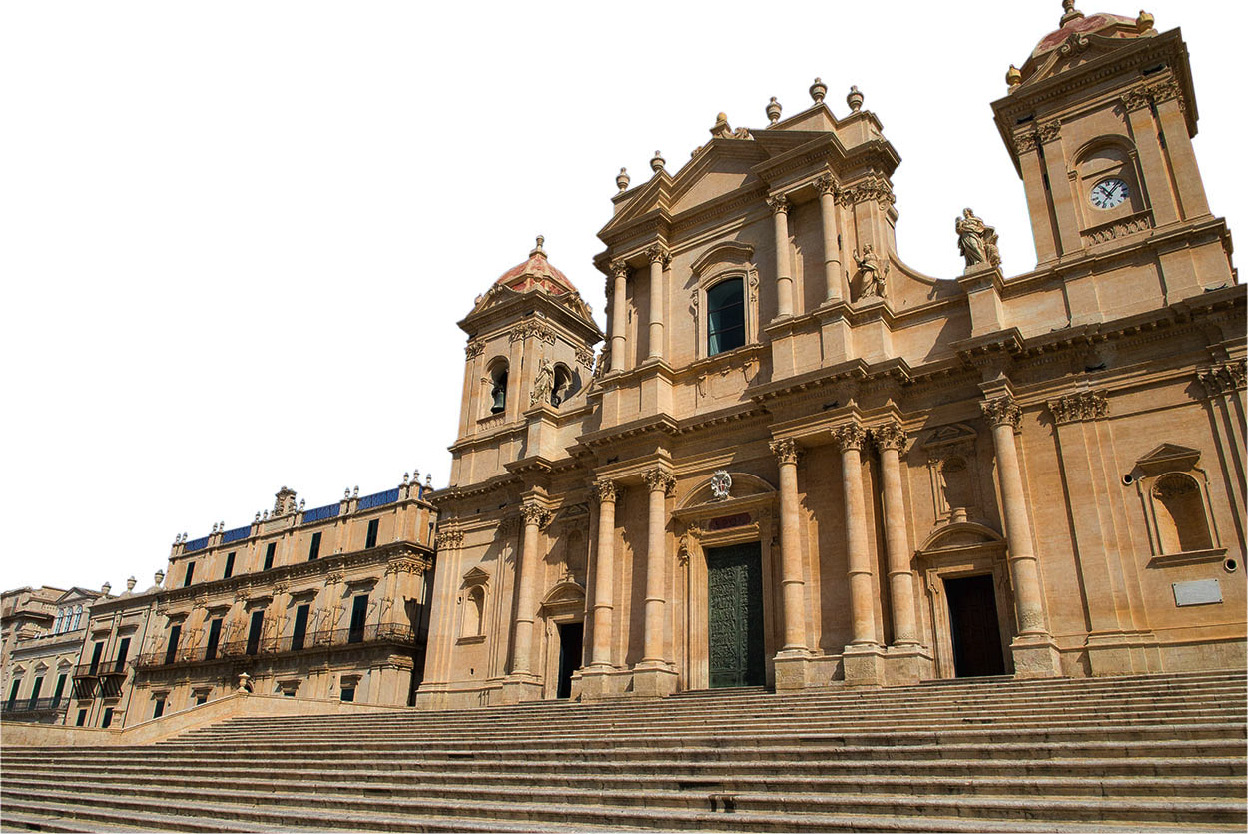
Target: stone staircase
1161,752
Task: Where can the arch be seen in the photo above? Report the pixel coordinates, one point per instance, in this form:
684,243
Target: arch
1107,157
960,534
1180,511
743,484
498,379
564,385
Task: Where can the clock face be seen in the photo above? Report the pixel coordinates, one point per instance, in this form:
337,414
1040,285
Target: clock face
1108,194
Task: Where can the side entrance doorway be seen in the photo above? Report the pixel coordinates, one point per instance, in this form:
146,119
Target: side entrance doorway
571,639
973,627
735,614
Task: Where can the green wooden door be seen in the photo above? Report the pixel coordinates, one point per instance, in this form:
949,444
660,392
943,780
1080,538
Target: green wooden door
735,610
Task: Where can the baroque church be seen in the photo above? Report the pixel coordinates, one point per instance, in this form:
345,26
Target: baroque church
794,461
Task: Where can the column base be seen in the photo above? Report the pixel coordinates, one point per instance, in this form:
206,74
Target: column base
907,664
1036,657
653,681
599,682
521,686
864,665
791,669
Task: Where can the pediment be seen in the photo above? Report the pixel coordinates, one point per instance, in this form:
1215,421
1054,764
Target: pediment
77,594
1168,457
960,535
475,576
564,594
950,435
1076,51
653,196
728,252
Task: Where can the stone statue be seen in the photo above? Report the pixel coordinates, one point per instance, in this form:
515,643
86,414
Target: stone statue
544,384
872,276
977,242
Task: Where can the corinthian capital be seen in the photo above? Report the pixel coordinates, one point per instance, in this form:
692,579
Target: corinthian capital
534,513
605,488
786,450
1080,406
849,437
1223,378
826,184
619,269
658,479
1000,411
658,253
889,436
778,204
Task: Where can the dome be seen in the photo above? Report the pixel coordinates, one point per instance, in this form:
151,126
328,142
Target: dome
536,274
1076,28
1101,23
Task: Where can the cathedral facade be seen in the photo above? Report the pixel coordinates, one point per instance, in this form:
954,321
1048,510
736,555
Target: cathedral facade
795,461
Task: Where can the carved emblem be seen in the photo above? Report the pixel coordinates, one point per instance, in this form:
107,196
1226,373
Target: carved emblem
721,485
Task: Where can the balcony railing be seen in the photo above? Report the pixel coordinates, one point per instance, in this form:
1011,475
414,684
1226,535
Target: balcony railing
401,634
26,706
100,668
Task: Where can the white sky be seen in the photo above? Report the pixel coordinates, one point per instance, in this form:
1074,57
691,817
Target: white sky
235,237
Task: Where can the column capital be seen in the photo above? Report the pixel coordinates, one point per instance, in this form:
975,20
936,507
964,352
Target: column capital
658,253
826,184
534,513
473,349
889,436
1001,410
659,479
1078,407
1049,131
1223,378
786,450
605,490
779,204
1026,141
619,269
448,537
849,437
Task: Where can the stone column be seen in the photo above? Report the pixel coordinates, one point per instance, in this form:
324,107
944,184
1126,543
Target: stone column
850,438
784,282
619,338
604,575
831,238
891,439
535,516
660,483
793,585
1004,416
659,259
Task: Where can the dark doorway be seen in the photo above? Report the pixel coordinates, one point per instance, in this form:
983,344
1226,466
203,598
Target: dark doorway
735,613
359,613
973,627
571,639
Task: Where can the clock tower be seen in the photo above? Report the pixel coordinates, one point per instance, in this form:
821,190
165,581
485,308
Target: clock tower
1099,120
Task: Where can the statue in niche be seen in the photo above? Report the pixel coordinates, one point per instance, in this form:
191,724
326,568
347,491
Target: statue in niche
544,383
977,242
872,275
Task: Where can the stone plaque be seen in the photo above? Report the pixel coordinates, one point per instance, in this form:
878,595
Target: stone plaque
1197,592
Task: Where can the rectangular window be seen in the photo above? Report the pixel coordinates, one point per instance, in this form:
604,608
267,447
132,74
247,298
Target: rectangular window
347,693
34,692
359,611
60,689
201,698
175,634
13,692
314,549
725,316
214,639
159,709
123,651
229,565
96,654
269,553
253,636
190,574
301,628
82,718
108,718
371,539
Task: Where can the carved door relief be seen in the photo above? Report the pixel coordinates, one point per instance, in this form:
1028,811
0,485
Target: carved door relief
735,615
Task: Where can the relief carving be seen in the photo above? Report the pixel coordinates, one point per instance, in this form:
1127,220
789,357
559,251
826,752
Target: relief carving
1000,411
1078,407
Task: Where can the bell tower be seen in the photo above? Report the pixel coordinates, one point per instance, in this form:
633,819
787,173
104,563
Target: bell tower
1099,120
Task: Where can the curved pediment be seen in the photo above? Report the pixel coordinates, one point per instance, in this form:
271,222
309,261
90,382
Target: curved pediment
960,535
566,595
744,485
729,252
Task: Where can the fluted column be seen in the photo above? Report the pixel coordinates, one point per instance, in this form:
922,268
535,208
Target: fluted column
1003,415
793,586
831,238
534,516
604,574
619,275
891,439
784,282
659,259
660,483
861,587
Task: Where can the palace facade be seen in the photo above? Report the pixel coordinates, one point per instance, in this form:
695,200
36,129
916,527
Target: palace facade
797,461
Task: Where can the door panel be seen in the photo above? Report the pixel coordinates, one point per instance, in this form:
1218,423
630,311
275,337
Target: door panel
735,612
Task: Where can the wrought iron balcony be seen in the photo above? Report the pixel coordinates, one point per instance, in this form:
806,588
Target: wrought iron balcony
31,709
399,634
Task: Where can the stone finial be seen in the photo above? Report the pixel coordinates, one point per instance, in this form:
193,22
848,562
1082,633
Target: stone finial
854,99
1144,22
657,163
346,492
404,481
429,480
1013,76
159,577
538,250
1069,12
257,517
221,526
415,475
106,587
130,583
266,515
818,91
773,111
355,491
623,179
300,505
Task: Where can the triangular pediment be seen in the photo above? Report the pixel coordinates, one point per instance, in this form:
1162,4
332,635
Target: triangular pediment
76,594
475,576
1168,457
950,435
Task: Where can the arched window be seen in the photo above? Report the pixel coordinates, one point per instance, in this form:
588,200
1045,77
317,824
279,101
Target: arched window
562,385
725,316
61,615
498,387
77,618
1181,523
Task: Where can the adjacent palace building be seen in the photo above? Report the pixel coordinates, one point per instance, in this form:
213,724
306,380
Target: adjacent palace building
792,460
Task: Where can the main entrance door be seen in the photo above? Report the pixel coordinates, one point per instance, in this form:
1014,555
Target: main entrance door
735,610
571,638
973,627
